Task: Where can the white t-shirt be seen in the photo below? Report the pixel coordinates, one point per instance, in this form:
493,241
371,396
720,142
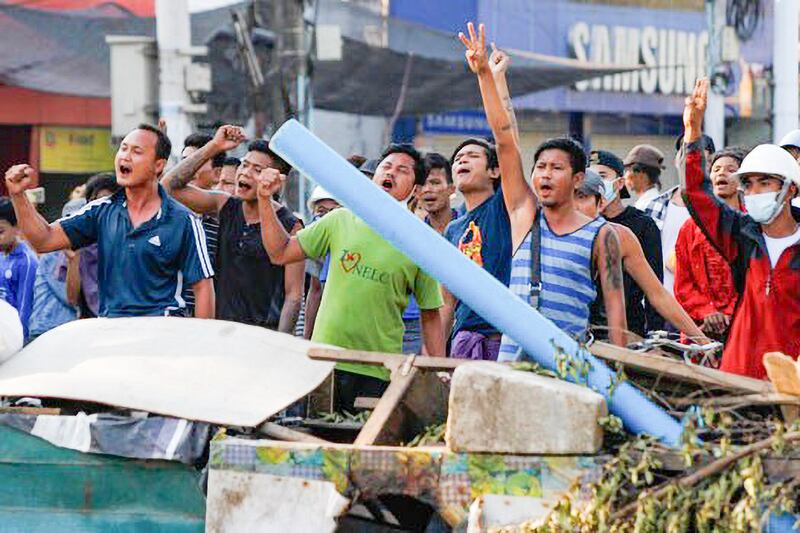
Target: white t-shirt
676,216
777,245
646,197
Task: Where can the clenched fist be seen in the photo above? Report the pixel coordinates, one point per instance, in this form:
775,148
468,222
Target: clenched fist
498,61
19,179
270,181
228,137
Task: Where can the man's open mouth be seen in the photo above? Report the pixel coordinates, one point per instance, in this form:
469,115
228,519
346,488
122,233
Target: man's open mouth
463,170
125,170
387,184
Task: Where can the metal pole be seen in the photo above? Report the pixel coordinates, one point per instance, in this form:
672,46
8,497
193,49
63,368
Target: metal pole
715,110
784,68
173,33
301,39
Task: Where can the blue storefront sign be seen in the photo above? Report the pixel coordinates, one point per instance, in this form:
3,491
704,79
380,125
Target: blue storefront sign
672,43
470,123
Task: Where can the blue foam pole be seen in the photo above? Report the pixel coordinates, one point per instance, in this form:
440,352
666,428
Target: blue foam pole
468,282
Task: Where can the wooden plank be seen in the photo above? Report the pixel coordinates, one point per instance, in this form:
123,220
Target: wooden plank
389,360
377,427
662,365
365,402
742,399
30,410
283,433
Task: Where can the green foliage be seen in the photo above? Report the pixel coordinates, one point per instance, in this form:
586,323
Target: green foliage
733,499
431,435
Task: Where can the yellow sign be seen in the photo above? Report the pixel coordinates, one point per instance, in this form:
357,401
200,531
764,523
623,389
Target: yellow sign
75,150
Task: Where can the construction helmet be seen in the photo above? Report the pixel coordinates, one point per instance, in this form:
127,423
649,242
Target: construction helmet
770,159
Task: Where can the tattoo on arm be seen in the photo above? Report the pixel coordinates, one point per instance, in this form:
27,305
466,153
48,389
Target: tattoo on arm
509,107
183,173
613,259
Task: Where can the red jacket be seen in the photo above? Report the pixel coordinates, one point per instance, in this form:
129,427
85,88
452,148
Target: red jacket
703,279
767,317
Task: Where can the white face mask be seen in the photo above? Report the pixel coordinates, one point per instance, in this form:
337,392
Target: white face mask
765,207
609,190
762,207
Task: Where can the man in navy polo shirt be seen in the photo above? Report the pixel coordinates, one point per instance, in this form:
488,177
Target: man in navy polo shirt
149,246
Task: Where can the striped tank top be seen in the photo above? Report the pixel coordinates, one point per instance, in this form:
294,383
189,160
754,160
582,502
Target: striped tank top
568,287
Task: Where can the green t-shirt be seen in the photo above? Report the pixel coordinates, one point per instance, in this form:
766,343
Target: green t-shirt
367,289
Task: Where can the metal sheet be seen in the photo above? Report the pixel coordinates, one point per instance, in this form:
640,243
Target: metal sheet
209,370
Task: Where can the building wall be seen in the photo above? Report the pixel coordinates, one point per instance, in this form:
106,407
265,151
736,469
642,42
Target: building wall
25,106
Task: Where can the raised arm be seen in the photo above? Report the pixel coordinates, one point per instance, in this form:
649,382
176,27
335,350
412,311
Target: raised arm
281,247
498,63
608,260
718,221
177,179
42,236
517,193
662,301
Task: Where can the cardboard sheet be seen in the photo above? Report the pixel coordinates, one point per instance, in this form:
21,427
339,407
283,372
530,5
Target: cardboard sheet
207,370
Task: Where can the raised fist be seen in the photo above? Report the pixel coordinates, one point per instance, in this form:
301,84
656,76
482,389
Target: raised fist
228,137
498,61
19,179
270,181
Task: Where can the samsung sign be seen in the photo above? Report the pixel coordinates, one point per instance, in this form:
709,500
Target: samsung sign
677,57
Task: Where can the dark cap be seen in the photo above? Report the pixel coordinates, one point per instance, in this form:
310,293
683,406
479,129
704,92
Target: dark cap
645,154
607,159
592,183
369,167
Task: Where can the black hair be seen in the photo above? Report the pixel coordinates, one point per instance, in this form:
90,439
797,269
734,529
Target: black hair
419,163
734,153
98,182
491,152
653,173
7,211
197,140
163,144
262,145
435,160
357,160
218,161
231,161
573,148
708,143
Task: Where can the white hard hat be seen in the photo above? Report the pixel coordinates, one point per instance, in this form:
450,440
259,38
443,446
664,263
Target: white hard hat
791,139
770,159
319,194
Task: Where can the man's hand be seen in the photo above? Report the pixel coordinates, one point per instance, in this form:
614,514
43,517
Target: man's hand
270,181
498,61
228,137
694,110
477,59
19,179
716,323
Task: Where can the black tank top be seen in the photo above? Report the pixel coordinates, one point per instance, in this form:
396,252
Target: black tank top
250,289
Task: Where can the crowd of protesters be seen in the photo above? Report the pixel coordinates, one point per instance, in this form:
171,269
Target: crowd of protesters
589,240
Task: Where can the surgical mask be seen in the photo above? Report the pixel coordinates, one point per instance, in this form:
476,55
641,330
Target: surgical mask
609,191
765,207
